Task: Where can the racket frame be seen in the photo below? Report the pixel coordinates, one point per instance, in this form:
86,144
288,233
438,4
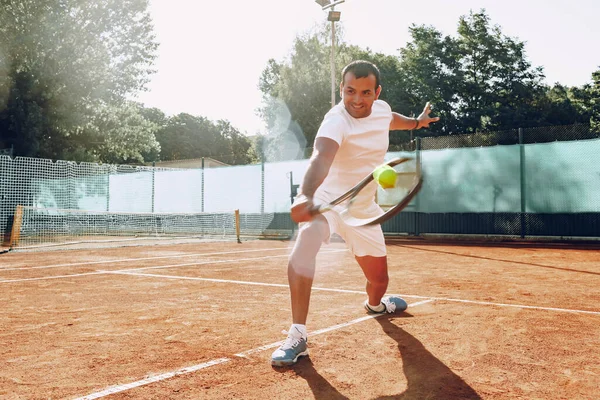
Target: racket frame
389,213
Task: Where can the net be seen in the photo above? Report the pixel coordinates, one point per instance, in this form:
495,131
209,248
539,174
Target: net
35,227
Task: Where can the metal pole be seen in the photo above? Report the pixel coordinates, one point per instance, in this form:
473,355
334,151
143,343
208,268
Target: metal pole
332,63
522,178
153,183
417,208
412,115
291,175
262,175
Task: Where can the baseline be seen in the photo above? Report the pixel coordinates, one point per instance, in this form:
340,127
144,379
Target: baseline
447,299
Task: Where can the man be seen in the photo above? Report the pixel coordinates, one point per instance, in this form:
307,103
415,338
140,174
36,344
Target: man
352,141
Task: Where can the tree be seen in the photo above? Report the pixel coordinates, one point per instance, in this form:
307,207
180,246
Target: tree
186,136
500,83
234,148
562,105
479,80
296,94
66,61
430,71
122,135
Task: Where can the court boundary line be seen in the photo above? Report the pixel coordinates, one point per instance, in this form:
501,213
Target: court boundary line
152,267
126,260
131,271
186,370
51,277
447,299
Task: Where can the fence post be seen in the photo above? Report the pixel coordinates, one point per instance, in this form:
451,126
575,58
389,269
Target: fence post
108,188
418,156
153,184
202,188
522,180
262,186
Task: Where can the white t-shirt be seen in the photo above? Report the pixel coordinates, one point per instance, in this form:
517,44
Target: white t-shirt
363,144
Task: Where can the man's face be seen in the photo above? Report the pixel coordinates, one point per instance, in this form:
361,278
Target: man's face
359,94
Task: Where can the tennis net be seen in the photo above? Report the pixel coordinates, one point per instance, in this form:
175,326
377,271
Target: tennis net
35,227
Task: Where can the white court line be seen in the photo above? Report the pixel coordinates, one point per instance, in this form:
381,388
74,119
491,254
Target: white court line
486,303
235,260
216,280
244,354
51,277
325,330
153,267
516,306
125,260
152,379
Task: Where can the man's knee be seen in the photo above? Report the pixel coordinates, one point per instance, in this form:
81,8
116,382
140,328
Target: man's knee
309,240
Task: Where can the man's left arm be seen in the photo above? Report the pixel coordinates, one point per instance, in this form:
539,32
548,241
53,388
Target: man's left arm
403,123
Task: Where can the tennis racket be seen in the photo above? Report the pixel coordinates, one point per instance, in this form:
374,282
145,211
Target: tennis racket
408,183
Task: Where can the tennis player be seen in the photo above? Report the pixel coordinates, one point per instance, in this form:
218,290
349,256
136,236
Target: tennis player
350,143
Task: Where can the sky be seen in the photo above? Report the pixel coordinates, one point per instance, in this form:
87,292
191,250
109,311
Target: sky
211,53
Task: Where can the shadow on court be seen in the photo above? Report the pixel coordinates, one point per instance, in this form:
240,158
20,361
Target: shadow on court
426,376
321,388
503,260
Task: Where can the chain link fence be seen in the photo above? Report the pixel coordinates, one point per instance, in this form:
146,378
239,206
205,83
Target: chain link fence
519,183
530,182
544,134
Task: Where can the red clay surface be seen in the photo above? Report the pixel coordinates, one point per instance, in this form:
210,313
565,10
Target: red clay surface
485,322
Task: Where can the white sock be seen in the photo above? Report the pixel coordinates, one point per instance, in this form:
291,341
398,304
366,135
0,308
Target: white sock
296,329
378,308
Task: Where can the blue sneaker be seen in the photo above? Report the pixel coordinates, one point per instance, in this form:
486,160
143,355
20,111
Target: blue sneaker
392,304
288,353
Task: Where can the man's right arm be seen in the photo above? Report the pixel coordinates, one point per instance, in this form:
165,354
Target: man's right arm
319,164
318,168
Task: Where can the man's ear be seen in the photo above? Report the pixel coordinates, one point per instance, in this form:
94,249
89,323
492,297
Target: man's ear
377,92
342,90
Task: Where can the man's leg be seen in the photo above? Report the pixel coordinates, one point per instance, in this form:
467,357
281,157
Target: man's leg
376,272
301,271
369,242
301,266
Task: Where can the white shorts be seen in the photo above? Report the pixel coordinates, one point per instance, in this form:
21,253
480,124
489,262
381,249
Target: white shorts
361,241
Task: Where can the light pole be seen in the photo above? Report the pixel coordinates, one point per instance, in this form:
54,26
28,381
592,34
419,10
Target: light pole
333,16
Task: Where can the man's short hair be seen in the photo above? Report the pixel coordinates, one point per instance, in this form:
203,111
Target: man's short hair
362,69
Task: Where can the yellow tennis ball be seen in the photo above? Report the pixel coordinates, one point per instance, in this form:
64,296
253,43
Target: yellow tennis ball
385,176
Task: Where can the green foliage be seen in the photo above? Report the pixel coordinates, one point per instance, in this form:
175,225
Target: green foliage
561,105
122,135
185,136
430,71
294,93
62,64
477,80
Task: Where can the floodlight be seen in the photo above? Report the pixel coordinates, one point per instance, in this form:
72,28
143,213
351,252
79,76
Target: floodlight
322,3
334,16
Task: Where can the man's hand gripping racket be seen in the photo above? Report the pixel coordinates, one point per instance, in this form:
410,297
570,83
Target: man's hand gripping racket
406,188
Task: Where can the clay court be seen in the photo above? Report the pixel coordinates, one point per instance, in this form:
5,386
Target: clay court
200,320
